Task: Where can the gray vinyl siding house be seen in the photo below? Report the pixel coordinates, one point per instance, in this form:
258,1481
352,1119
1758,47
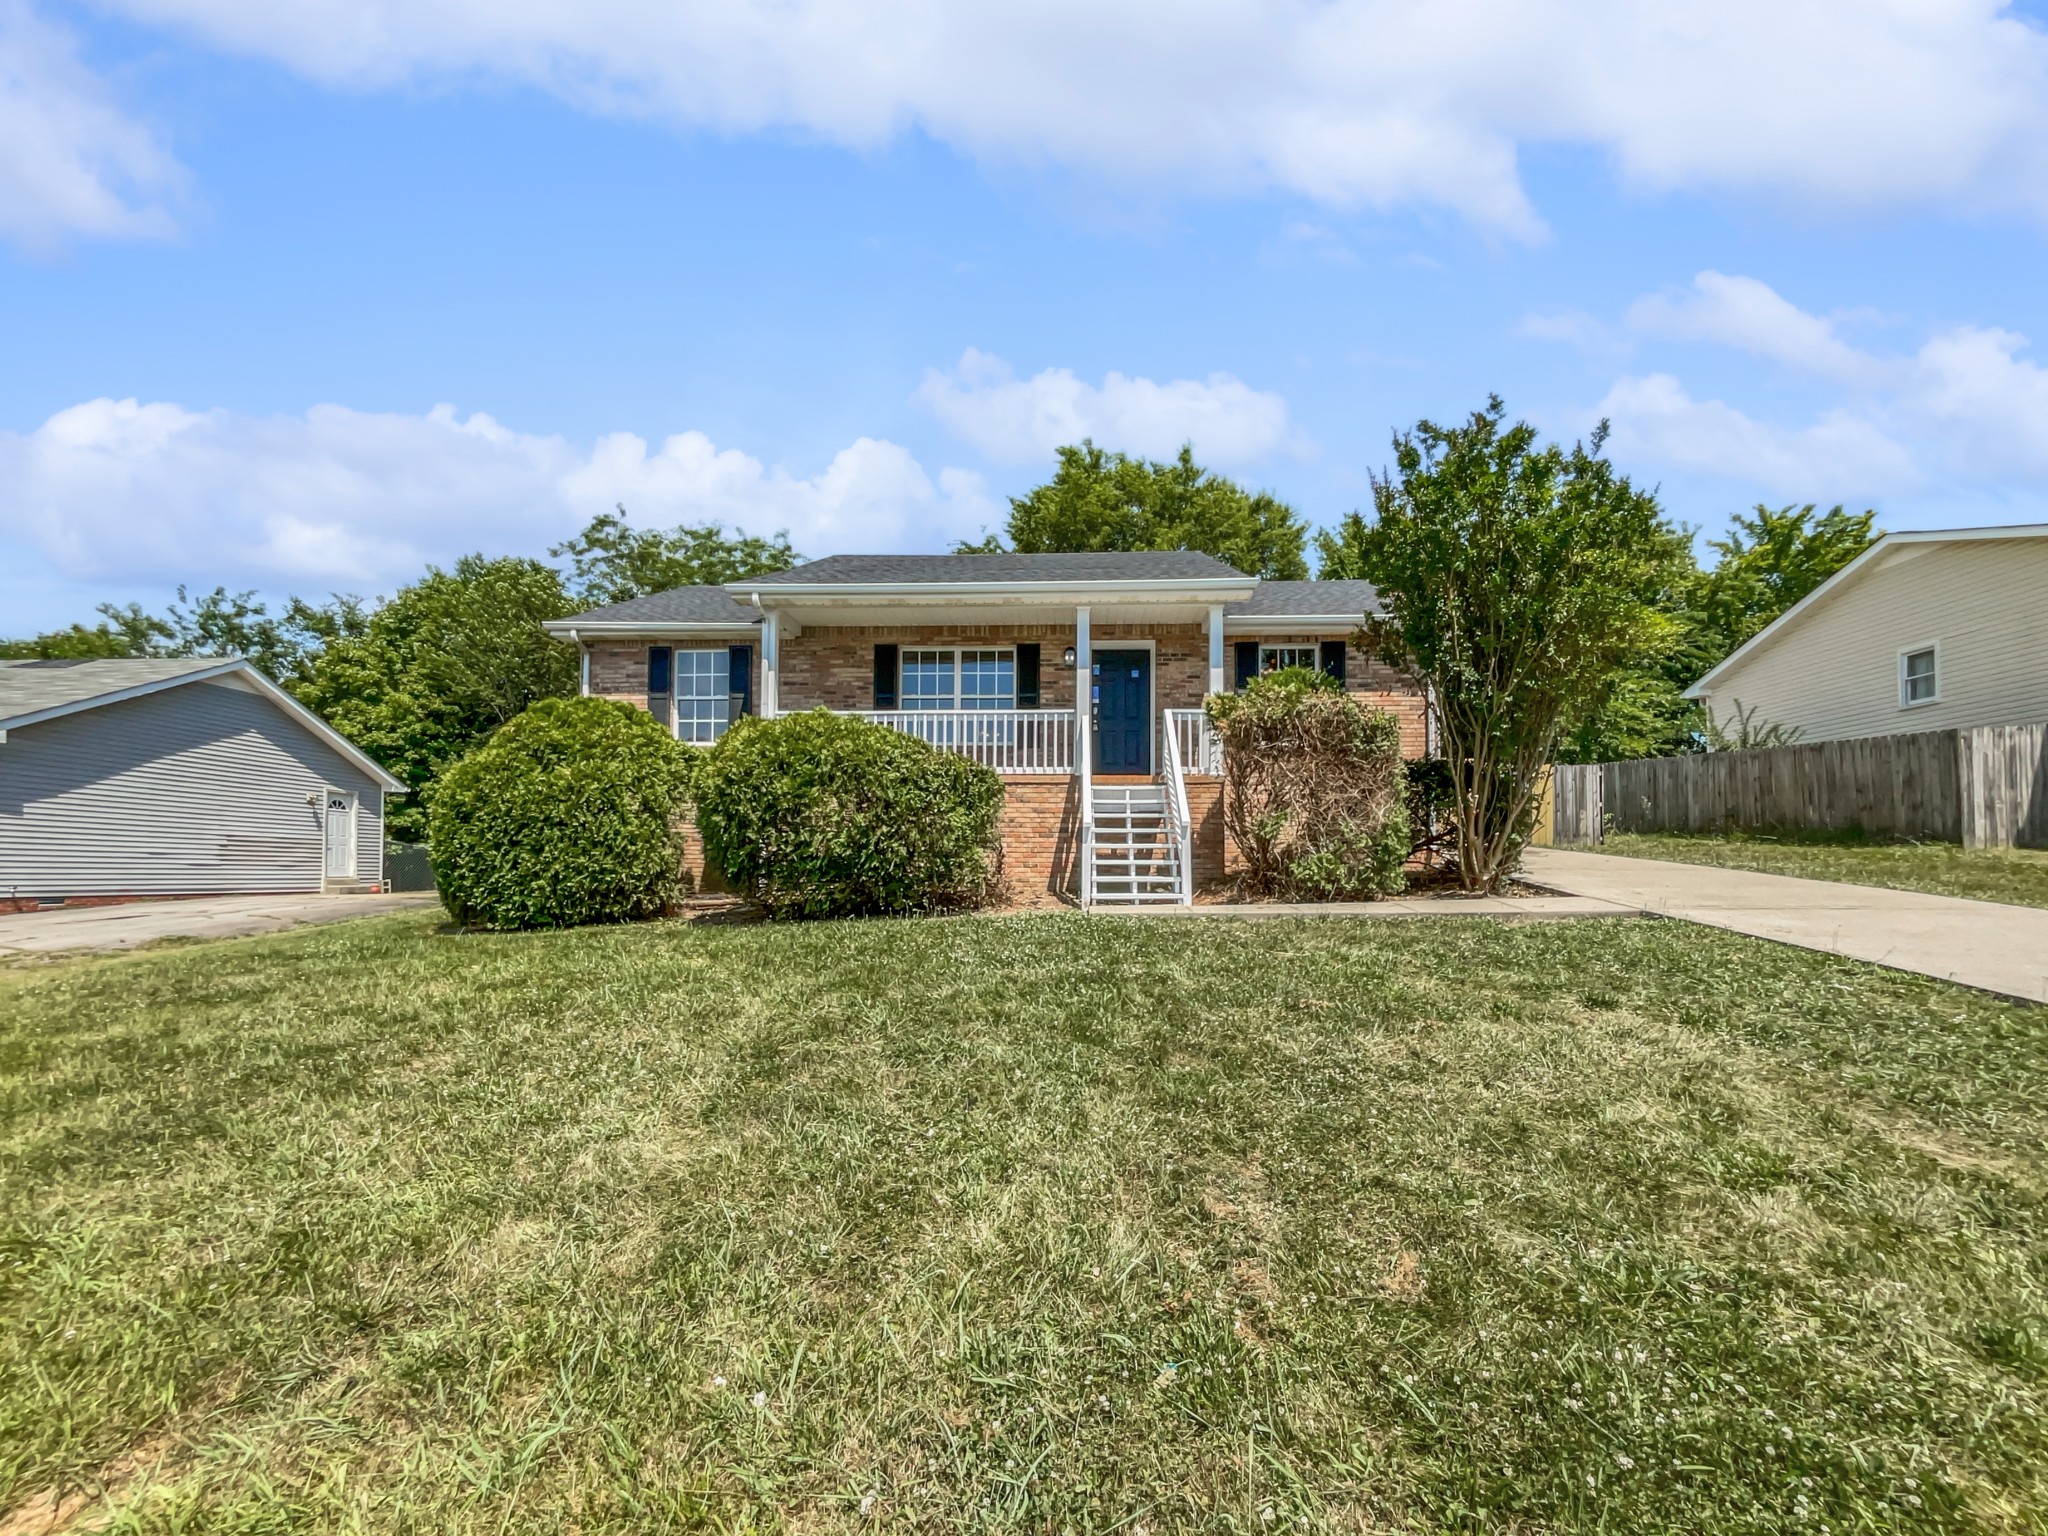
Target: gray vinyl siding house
174,778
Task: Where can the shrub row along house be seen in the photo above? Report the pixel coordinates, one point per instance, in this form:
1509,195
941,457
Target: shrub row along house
1077,677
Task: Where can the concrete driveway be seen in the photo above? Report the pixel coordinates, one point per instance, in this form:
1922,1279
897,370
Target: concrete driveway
1977,943
203,917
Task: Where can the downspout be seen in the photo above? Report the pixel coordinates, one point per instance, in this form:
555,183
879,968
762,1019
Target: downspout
583,652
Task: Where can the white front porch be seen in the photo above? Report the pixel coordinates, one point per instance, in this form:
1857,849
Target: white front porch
1137,838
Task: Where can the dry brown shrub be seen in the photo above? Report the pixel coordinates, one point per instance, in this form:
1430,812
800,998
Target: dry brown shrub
1314,792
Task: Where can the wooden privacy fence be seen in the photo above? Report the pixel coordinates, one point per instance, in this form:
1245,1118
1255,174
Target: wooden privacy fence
1985,787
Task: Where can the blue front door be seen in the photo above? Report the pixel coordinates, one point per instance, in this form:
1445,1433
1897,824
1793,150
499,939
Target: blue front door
1123,711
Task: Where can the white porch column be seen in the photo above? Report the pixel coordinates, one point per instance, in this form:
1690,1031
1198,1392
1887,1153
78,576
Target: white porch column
1084,711
1217,683
771,665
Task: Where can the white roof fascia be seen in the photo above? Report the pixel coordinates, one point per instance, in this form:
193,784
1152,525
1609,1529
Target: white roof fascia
1885,543
611,629
1280,623
1205,589
1870,556
240,669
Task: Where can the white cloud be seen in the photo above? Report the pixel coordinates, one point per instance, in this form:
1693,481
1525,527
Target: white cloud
1354,103
1023,420
1966,403
71,163
118,490
1839,456
1751,316
1991,403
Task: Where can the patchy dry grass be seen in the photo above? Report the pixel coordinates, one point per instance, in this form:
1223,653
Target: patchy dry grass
1019,1224
2016,876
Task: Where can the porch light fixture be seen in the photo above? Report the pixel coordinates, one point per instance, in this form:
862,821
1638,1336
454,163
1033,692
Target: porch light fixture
1067,657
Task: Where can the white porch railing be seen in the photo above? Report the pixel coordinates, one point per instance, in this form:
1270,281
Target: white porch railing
1193,743
1007,740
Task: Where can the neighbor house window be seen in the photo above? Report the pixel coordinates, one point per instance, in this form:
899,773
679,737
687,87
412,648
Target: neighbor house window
703,683
959,679
1919,677
1274,658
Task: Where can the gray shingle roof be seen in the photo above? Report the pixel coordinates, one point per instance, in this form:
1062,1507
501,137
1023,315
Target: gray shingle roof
679,605
1112,565
1307,599
29,687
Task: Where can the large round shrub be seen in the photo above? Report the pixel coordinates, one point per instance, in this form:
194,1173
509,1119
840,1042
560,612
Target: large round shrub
569,813
823,815
1314,792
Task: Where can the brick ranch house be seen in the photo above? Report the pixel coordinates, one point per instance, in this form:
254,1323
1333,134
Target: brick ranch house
1120,802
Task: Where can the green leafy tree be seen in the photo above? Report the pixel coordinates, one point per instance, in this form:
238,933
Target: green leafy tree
1340,551
1771,559
216,623
1516,577
423,678
1099,500
611,561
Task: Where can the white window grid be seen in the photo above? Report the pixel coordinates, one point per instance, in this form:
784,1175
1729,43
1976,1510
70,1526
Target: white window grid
1919,676
702,694
963,679
1275,658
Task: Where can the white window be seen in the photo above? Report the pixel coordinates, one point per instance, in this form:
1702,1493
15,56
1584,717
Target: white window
1919,677
949,679
1273,658
702,702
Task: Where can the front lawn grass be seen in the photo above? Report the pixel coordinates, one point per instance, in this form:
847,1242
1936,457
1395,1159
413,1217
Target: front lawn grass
2016,876
1032,1224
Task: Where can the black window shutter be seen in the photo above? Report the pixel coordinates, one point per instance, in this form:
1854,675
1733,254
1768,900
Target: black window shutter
661,680
885,677
740,676
1333,658
1247,662
1027,677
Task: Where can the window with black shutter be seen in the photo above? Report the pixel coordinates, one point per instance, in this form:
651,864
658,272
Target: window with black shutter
661,684
1247,663
885,677
1027,677
739,684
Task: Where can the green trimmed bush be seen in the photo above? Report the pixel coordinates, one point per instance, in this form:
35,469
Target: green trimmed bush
1314,791
824,815
568,813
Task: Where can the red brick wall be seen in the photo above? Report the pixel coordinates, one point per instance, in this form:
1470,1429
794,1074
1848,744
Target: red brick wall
834,665
1371,682
1041,831
618,668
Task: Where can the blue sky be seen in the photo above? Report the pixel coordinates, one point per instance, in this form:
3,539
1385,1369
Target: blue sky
300,298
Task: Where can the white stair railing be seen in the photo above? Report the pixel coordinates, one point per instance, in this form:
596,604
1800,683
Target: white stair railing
1192,746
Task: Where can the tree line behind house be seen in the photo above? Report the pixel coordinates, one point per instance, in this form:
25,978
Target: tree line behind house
1532,578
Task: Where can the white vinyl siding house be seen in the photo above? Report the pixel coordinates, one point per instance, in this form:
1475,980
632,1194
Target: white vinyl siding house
1925,631
212,785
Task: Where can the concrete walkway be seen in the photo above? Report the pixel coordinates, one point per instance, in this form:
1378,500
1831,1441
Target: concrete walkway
1980,944
201,917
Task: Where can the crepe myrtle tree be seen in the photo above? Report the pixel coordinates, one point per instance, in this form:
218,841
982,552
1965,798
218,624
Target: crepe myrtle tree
1515,576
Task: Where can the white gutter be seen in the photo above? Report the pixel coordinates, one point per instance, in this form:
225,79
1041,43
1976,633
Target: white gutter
723,629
